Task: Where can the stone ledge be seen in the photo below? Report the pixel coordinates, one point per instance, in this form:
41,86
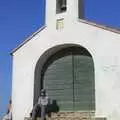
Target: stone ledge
72,116
100,118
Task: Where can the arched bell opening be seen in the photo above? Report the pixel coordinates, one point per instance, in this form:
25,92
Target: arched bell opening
67,74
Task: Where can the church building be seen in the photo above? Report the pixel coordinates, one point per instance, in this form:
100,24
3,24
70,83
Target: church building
76,61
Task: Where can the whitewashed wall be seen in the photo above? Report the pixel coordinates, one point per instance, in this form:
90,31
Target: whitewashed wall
104,47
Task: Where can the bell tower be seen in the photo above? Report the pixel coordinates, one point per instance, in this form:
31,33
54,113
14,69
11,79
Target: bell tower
60,13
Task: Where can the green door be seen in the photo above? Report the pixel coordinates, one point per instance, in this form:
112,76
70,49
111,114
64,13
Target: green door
70,80
58,82
84,94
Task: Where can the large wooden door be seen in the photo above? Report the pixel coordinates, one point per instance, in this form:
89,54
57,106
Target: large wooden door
70,80
84,93
58,81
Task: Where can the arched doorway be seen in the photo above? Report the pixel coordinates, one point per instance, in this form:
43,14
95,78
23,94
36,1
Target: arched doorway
68,77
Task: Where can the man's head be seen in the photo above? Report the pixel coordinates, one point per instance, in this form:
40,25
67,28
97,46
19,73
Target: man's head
43,92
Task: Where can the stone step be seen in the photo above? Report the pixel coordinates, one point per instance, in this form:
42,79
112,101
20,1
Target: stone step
100,118
63,118
72,116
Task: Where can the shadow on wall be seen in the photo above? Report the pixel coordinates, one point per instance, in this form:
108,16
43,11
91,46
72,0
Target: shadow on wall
51,108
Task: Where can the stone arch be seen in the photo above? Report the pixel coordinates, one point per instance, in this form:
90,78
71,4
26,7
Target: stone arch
48,57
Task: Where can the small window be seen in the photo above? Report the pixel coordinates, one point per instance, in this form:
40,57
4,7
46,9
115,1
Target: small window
60,24
61,6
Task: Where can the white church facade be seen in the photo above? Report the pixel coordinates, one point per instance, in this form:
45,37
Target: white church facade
76,61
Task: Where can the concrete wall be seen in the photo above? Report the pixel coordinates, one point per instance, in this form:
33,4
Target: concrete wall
70,15
104,47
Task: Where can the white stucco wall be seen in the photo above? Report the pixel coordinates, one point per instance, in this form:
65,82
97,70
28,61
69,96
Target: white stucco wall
104,47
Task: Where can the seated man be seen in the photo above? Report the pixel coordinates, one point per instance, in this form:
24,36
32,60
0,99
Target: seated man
44,107
39,110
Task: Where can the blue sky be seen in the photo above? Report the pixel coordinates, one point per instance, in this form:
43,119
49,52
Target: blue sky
20,18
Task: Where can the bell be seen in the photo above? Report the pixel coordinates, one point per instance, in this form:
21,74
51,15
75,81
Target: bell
63,5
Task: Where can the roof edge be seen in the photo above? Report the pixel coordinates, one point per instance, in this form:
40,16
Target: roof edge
108,28
26,40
